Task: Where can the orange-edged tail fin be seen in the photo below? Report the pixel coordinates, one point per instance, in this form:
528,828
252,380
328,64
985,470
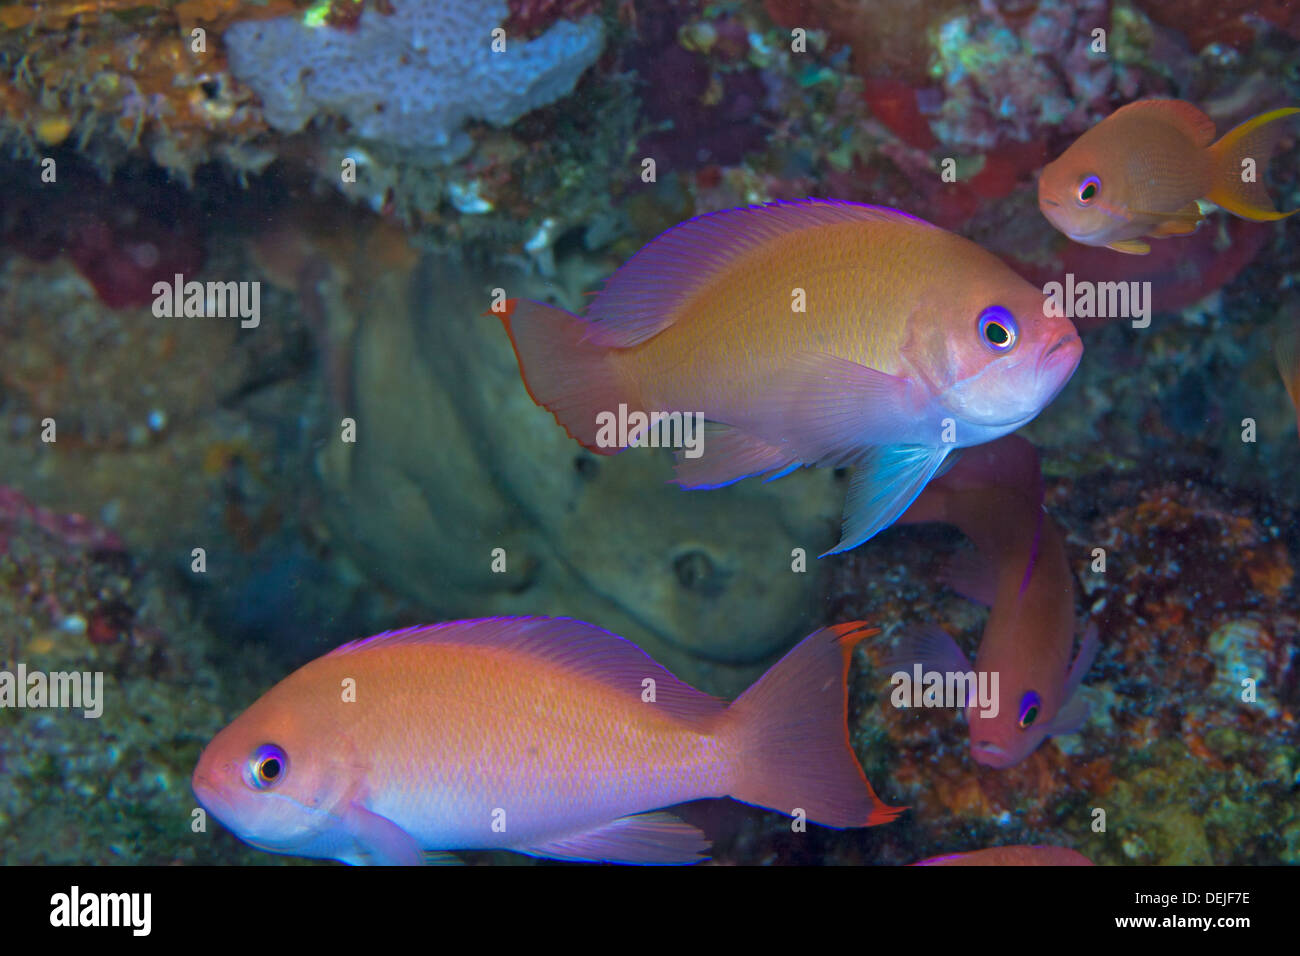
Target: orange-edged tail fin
573,379
791,730
1238,186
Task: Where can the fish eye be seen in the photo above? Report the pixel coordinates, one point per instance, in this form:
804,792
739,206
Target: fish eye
266,767
1088,190
998,329
1030,705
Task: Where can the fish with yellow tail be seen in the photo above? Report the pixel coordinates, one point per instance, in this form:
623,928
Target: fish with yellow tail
994,496
546,736
812,333
1143,170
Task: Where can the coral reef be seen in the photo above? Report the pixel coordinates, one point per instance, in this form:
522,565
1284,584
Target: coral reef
701,94
409,76
132,76
113,788
1193,599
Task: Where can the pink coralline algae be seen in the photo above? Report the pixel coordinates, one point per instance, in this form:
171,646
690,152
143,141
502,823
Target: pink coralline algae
123,238
533,17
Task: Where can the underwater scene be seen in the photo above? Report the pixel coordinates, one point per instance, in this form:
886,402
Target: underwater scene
752,432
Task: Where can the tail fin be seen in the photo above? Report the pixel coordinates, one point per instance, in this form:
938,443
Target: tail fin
792,735
1255,140
573,379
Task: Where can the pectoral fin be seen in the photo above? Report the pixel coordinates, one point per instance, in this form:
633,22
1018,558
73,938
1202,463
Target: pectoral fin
1088,650
1134,247
1182,223
930,646
377,840
886,481
1070,718
1074,712
824,410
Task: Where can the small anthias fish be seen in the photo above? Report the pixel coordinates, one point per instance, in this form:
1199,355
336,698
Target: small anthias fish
994,496
814,333
1141,171
546,736
1287,351
1012,856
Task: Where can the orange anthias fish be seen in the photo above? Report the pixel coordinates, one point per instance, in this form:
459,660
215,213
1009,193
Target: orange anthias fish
814,333
546,736
994,496
1012,856
1287,351
1141,170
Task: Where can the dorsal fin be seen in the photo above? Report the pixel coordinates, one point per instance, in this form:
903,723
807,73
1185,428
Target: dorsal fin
647,293
576,647
1188,118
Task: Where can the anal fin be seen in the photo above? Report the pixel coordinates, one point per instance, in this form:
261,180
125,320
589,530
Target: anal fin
645,838
441,858
1182,223
728,455
1134,247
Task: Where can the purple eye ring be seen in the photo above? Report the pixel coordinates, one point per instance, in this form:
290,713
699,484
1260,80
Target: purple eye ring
1088,190
998,329
266,767
1030,706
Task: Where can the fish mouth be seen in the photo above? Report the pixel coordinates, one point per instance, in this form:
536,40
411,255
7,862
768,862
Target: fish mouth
1069,338
1068,348
212,797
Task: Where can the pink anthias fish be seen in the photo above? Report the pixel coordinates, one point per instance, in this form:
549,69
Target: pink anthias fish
1144,170
994,496
546,736
808,334
1011,856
